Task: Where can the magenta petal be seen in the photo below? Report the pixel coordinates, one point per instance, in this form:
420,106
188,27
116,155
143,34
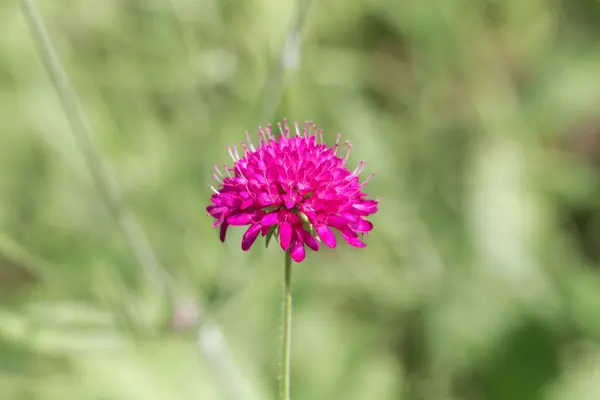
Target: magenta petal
240,219
327,236
336,221
367,206
328,195
223,231
290,200
350,216
270,219
215,210
246,204
250,236
351,237
264,199
285,235
361,225
297,251
219,213
310,240
264,230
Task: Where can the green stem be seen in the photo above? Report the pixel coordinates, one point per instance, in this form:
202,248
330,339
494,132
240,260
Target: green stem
287,329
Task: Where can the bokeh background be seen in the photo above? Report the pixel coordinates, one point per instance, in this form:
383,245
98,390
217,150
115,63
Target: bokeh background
480,281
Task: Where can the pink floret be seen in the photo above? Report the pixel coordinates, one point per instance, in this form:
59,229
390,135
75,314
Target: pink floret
297,185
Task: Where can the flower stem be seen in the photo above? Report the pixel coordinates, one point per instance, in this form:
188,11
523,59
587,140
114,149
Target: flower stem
284,393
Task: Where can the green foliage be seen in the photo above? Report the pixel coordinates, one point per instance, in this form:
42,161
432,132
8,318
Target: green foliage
481,278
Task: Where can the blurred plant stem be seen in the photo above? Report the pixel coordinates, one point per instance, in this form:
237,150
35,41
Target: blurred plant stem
288,60
107,189
216,352
287,329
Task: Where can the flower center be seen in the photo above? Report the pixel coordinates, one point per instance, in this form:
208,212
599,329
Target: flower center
292,200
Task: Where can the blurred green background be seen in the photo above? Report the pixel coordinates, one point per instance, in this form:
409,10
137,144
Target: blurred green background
480,280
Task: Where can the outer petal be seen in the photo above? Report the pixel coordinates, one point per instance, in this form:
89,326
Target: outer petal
228,200
337,221
216,211
241,219
264,199
246,204
310,240
223,231
327,236
351,237
265,229
297,251
250,236
361,225
270,219
367,206
285,235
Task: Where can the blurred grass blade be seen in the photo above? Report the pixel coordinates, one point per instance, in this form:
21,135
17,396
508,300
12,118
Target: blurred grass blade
288,59
106,188
109,191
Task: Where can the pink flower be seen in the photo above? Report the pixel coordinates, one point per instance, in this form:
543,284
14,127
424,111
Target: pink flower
294,187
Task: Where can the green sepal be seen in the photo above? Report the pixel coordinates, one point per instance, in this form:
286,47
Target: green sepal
270,209
306,224
307,195
270,234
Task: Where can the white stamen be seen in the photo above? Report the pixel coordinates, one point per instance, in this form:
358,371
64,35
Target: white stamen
359,169
246,149
286,129
269,134
338,137
216,178
241,174
218,171
214,190
227,170
231,154
349,145
250,142
366,181
288,132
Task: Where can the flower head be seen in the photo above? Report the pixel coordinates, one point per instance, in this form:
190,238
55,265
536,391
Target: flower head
294,187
